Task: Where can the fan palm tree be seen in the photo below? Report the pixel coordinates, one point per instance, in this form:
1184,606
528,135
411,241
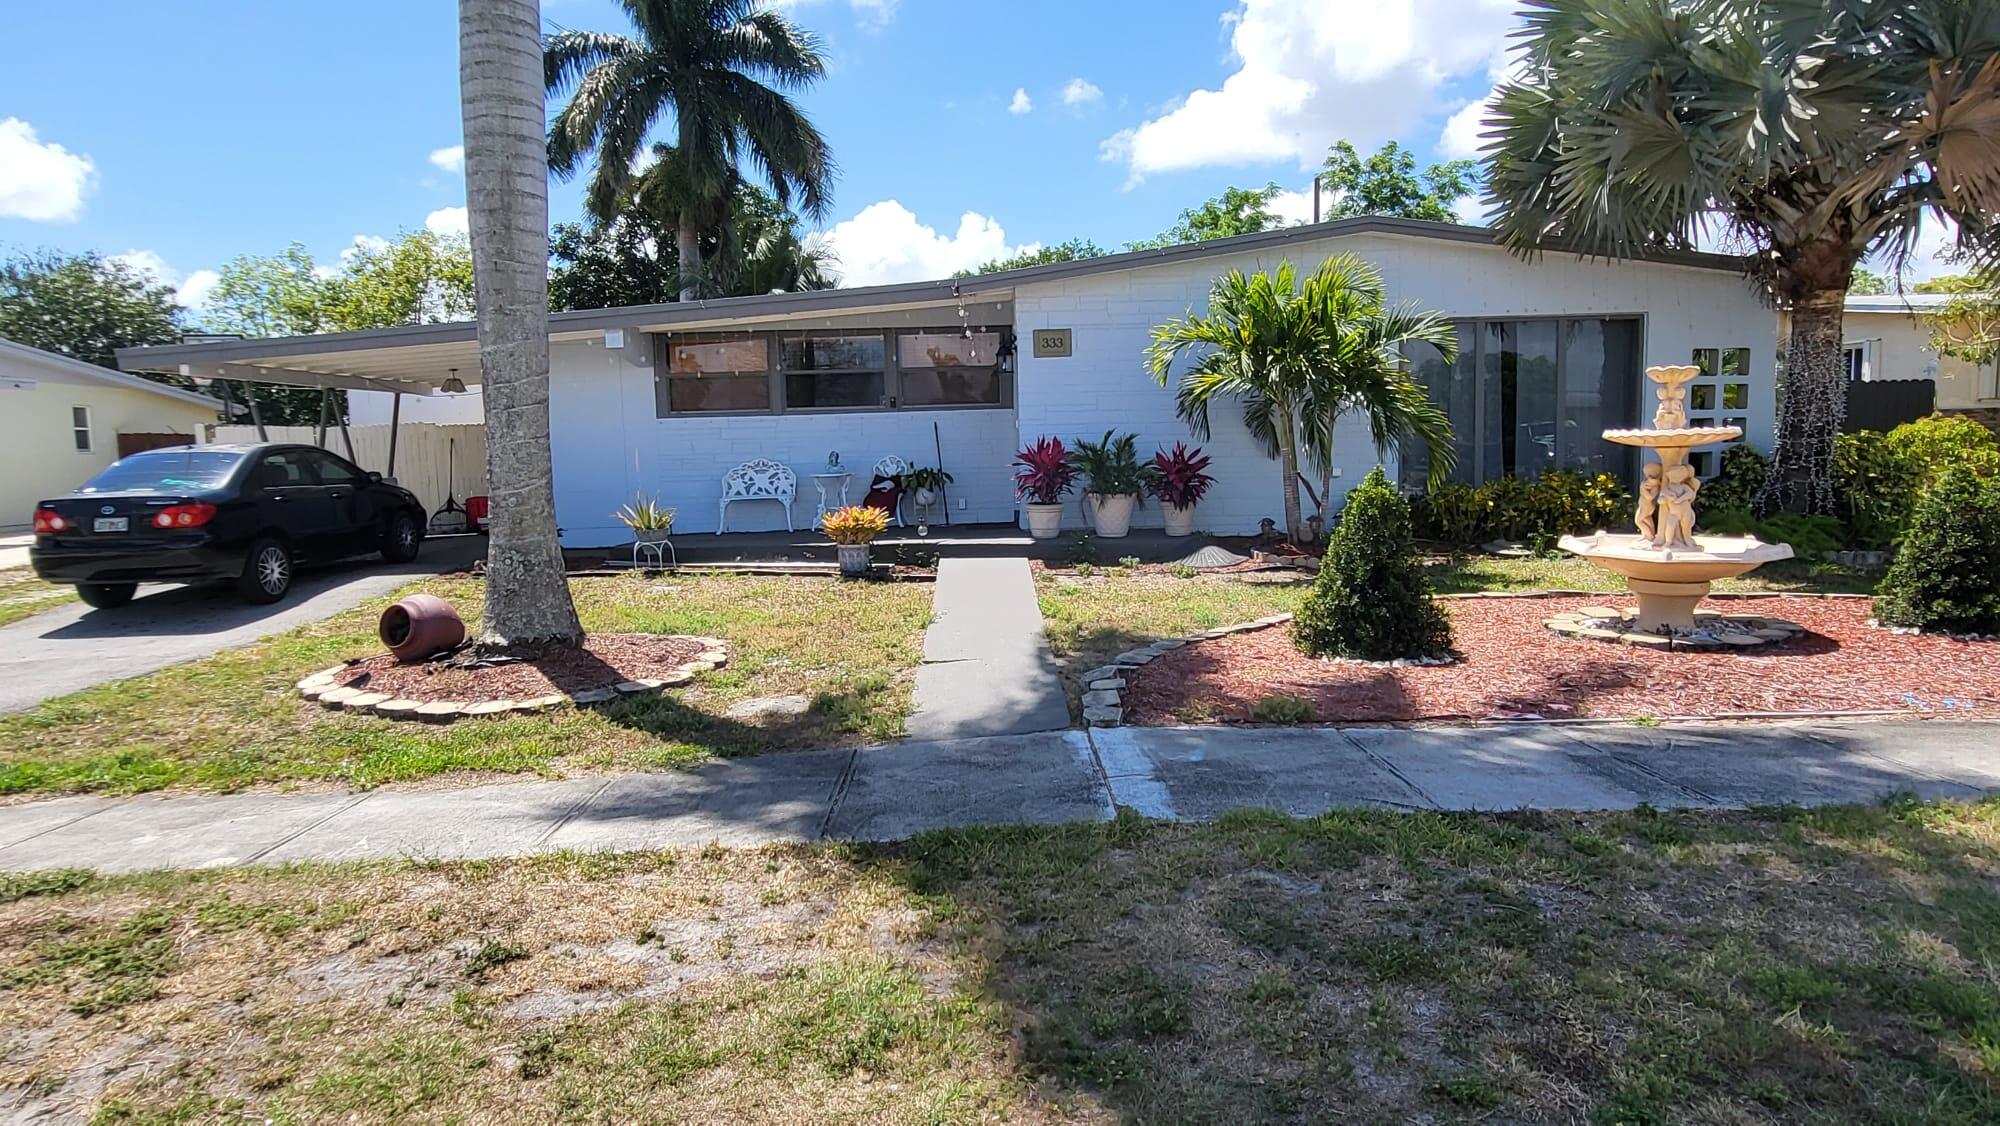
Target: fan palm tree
507,201
721,69
1298,357
1813,132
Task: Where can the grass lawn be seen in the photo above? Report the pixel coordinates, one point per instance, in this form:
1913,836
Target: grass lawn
1837,965
22,594
233,720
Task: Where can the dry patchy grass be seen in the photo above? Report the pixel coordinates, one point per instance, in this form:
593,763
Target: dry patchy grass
1833,965
22,594
232,720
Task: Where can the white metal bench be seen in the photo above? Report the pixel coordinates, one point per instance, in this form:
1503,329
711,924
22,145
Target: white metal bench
761,479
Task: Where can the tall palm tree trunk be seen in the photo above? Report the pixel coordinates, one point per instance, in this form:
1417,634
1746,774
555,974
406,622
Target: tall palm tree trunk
507,197
1288,462
687,244
1815,390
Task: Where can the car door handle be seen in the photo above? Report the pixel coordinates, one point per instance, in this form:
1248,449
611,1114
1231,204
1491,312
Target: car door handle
337,494
280,498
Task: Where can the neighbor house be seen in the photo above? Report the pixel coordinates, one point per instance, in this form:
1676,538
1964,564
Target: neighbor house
1884,338
62,420
663,400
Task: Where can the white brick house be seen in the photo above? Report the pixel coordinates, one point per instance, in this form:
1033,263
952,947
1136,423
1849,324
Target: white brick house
662,400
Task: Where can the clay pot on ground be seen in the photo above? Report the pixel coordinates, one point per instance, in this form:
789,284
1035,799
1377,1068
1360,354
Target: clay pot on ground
1112,515
1180,521
420,626
1044,520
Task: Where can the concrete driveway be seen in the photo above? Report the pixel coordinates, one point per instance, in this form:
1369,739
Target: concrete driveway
73,647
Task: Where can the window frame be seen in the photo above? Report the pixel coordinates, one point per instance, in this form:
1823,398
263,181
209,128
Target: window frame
87,431
1005,366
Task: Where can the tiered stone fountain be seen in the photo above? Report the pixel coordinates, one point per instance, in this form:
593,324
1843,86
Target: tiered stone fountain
1667,564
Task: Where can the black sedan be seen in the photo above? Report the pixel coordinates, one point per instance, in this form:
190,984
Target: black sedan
243,514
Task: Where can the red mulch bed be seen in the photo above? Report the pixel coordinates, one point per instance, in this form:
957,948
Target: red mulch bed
1513,667
603,660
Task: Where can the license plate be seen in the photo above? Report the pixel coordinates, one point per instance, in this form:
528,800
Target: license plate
111,524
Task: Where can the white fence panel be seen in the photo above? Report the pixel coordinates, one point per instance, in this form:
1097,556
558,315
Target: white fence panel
430,459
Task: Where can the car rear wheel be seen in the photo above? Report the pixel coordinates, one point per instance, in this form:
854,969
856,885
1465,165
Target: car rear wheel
267,572
401,540
106,596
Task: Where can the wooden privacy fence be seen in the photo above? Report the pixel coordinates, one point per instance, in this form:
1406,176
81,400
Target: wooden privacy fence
1884,404
429,458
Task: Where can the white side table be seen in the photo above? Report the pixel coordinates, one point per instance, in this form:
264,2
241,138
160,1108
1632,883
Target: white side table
831,486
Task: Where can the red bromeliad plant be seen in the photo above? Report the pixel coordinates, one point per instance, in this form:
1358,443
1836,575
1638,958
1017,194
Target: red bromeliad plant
1045,472
1177,478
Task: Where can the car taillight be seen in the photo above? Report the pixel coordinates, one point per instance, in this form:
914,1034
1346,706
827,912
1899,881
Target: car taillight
183,516
48,523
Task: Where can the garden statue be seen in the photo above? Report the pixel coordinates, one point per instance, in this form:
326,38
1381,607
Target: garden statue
1676,515
832,462
1649,503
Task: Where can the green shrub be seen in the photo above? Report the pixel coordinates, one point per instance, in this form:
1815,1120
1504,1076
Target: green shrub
1946,576
1811,537
1282,709
1875,475
1452,513
1735,485
1371,599
1559,502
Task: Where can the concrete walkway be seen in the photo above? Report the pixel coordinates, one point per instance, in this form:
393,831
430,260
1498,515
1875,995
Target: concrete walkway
886,793
987,668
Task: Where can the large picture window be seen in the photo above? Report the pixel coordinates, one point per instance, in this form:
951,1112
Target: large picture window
716,376
833,371
957,369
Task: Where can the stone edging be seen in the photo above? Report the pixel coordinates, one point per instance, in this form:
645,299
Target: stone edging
1104,686
322,687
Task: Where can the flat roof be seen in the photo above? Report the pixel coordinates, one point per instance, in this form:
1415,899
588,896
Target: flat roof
96,373
415,359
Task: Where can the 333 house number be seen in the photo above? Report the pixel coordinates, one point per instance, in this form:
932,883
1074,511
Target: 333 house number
1051,342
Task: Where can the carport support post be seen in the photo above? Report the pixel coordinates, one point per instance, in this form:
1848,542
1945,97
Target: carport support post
395,417
256,416
345,440
325,401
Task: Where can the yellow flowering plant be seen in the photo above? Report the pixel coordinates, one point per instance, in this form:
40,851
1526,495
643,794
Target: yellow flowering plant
855,525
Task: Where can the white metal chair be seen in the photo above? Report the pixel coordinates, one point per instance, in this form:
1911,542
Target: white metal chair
891,466
761,479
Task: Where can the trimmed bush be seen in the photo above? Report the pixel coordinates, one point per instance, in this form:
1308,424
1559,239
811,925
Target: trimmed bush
1371,599
1559,502
1875,475
1946,577
1736,484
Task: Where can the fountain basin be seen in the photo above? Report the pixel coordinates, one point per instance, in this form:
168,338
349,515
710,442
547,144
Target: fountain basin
1685,437
1670,582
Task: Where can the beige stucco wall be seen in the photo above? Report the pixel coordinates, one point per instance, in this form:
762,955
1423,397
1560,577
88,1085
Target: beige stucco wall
1902,351
38,454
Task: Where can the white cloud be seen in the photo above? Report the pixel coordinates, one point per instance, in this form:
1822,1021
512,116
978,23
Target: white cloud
190,290
1293,208
450,159
1935,239
1021,103
41,182
884,243
1460,138
871,14
447,221
362,244
1471,210
1312,71
1081,92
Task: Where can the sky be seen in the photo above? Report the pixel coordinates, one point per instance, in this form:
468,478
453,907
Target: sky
179,136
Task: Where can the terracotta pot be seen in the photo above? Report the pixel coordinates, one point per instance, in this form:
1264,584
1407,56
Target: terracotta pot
1112,515
1044,520
1180,521
420,626
853,559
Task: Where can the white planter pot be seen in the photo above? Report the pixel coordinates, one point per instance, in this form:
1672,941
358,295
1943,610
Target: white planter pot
924,498
1044,520
853,559
1180,521
1112,515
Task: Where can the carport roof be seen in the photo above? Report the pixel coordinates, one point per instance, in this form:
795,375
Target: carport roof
416,359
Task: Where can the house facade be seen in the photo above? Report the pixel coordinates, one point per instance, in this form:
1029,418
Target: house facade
63,420
663,400
1883,337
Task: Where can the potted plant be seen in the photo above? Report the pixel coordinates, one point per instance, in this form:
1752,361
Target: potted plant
1113,476
650,522
1178,483
925,486
1043,477
852,529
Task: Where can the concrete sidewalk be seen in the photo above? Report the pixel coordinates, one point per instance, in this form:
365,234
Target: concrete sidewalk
887,793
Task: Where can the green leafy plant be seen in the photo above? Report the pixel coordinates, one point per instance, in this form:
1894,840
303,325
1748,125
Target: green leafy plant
1129,562
1809,536
645,514
1282,709
855,524
1083,553
1371,599
1946,576
1875,475
1452,513
924,477
1182,571
1557,503
1110,466
1741,477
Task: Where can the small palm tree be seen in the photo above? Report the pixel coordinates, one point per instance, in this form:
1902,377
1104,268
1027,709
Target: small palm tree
1812,133
1297,358
721,69
507,201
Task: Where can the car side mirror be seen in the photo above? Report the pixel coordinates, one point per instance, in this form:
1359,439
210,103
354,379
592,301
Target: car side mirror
374,476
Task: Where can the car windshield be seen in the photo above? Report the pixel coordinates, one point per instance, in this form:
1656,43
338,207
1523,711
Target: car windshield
166,470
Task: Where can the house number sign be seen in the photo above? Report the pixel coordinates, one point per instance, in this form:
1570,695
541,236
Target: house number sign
1051,342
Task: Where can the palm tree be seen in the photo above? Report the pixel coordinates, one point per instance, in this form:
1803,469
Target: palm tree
1813,133
1298,358
720,68
507,199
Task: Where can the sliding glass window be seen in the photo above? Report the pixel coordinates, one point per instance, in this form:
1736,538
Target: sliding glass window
716,376
843,372
951,369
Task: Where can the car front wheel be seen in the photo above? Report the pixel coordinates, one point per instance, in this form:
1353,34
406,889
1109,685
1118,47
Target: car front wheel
401,540
106,596
267,572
